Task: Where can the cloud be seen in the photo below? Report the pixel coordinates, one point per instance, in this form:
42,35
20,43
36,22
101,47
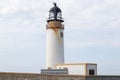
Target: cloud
11,6
92,43
92,15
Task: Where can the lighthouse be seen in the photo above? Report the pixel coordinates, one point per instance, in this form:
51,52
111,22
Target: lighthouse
55,38
55,49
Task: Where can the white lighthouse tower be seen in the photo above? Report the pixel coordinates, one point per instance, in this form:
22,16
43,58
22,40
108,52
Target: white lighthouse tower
55,49
55,43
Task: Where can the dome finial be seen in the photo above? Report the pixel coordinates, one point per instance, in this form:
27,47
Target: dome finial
54,4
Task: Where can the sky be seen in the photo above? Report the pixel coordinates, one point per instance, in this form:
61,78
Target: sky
92,34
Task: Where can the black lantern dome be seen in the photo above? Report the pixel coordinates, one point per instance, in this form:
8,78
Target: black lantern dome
55,8
55,14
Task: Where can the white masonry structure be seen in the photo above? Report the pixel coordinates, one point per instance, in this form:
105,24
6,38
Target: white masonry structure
55,49
55,43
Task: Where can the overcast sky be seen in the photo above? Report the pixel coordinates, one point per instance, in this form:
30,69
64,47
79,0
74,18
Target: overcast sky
92,34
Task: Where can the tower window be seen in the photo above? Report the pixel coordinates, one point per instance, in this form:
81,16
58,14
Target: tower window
61,34
91,72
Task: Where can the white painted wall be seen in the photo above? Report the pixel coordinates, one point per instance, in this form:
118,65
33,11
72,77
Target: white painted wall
74,69
78,69
55,48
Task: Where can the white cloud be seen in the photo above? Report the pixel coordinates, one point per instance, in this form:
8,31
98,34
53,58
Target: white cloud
92,43
93,14
11,6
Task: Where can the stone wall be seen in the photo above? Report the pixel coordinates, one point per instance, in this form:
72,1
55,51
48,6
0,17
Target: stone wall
31,76
103,77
